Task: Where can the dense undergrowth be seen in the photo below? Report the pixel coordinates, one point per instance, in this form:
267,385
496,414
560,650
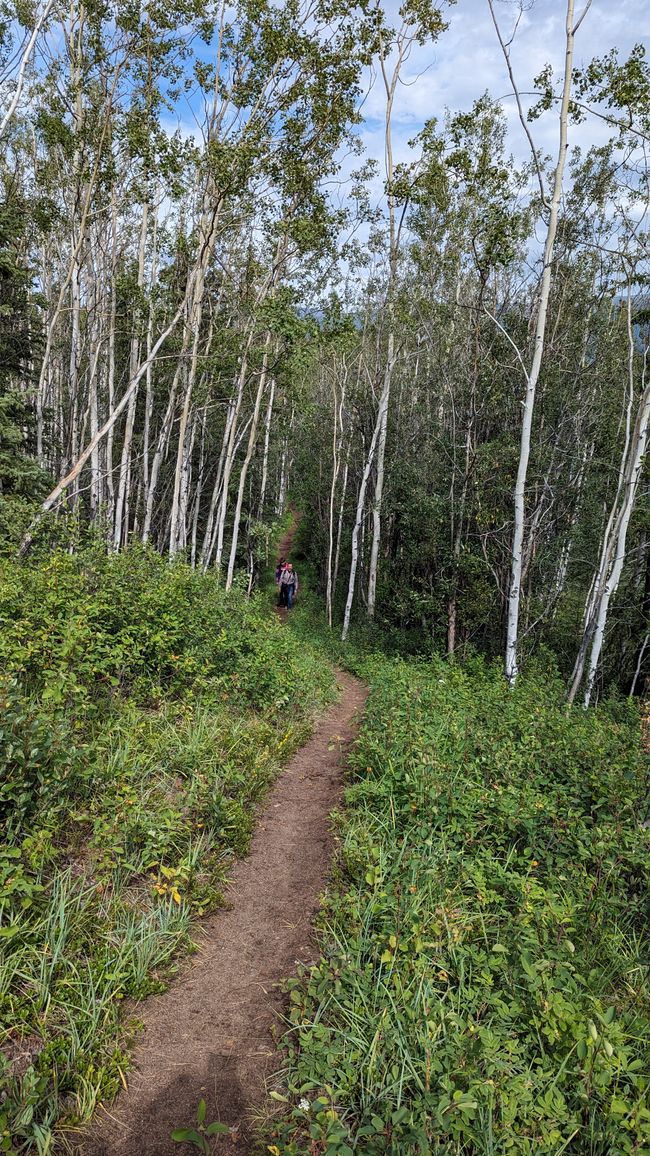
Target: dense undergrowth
484,984
143,712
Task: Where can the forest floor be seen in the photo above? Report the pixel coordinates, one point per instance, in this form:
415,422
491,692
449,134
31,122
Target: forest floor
210,1036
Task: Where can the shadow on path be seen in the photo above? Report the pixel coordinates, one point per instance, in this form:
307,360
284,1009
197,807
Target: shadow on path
209,1036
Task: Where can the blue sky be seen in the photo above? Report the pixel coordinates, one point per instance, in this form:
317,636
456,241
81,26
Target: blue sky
467,61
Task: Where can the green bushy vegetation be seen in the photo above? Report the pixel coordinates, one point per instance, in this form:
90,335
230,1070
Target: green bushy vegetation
143,713
483,986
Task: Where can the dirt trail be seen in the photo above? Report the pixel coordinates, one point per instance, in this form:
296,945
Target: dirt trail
284,551
209,1035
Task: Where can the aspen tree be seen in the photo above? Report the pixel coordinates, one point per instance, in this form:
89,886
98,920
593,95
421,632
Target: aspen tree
613,547
533,371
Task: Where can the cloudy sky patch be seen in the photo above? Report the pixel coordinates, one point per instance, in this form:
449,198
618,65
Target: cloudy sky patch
467,61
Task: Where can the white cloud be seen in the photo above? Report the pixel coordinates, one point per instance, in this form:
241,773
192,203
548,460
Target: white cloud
467,61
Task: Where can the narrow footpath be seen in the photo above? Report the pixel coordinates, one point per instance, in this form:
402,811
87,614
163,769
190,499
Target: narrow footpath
210,1035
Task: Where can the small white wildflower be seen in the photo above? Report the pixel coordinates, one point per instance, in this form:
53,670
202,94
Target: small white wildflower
304,1104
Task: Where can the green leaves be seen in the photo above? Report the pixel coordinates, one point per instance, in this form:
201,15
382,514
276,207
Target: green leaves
143,718
481,981
198,1136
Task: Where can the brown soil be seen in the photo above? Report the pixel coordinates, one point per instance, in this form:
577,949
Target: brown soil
210,1035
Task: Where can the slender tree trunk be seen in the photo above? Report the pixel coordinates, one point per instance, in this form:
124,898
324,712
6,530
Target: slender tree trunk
247,460
532,377
639,665
265,458
199,488
39,23
230,452
210,528
356,529
384,401
617,518
339,528
110,371
54,497
379,482
614,575
337,437
121,526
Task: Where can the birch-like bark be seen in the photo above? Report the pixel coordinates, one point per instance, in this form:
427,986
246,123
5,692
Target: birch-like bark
532,376
96,489
230,453
614,576
148,405
265,456
53,498
337,435
339,528
120,531
162,444
210,527
110,371
198,488
186,481
382,419
78,240
384,400
356,529
458,534
207,238
229,458
25,58
599,579
252,437
282,484
639,665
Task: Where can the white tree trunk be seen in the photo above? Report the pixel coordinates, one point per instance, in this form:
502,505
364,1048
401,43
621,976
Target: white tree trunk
26,56
265,458
252,437
613,578
339,528
199,488
53,498
379,483
532,377
358,520
337,437
610,538
229,456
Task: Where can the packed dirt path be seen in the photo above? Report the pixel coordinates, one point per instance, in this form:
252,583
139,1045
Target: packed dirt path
209,1036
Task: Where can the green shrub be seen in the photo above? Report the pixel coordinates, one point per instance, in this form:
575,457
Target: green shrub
33,764
143,715
484,984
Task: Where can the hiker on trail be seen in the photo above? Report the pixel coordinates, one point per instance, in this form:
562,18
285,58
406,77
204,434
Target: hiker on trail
288,585
278,570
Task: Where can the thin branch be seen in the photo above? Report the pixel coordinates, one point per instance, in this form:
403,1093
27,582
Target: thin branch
505,333
506,55
38,24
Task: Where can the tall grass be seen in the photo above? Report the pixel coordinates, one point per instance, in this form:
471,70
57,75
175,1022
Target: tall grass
134,749
484,984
